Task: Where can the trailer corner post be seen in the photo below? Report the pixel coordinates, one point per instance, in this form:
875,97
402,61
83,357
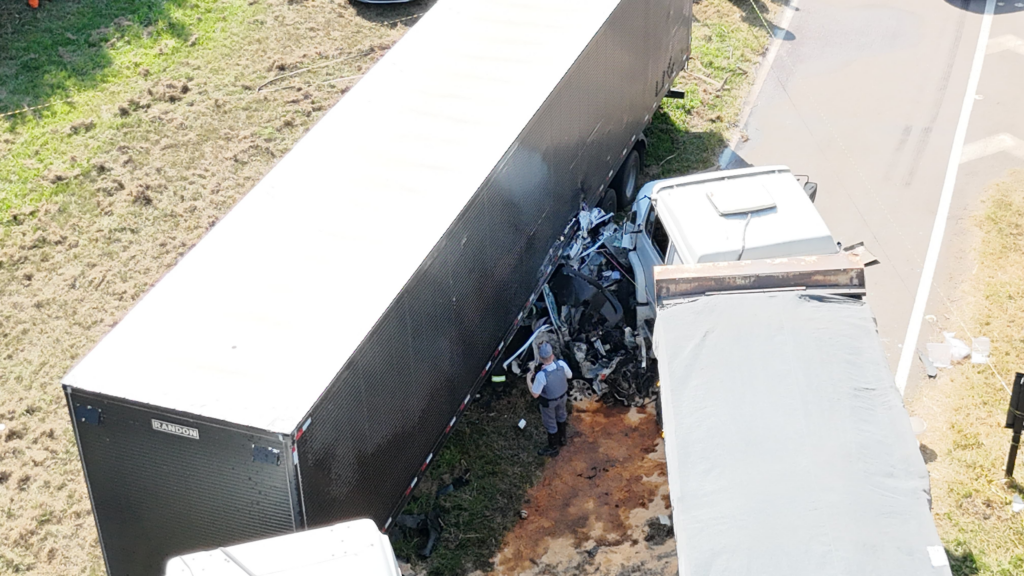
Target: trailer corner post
1015,420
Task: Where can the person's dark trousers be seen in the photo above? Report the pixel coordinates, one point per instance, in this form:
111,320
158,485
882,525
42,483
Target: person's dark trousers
562,440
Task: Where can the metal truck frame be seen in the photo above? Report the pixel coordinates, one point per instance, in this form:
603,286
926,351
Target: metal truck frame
306,360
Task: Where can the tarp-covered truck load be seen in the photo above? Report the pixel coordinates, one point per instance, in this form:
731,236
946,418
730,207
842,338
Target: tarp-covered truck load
789,450
302,364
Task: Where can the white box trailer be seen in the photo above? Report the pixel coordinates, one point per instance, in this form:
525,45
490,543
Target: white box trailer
305,361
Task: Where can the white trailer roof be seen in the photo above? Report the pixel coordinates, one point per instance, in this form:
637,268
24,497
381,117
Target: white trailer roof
792,228
355,547
252,324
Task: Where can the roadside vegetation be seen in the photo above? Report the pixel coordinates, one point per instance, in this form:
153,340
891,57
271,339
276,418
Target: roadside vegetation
685,136
965,443
150,128
129,127
729,38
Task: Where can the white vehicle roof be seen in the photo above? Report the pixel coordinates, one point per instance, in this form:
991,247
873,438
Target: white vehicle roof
349,548
700,233
254,323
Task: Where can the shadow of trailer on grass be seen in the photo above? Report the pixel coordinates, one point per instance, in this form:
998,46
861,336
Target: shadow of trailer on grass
61,48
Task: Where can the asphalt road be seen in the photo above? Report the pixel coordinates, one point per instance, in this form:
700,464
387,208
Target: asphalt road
866,98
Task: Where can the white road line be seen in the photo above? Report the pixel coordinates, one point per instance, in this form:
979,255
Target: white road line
762,74
995,144
1006,42
931,258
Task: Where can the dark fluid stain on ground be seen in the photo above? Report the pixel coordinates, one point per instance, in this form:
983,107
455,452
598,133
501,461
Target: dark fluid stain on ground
588,491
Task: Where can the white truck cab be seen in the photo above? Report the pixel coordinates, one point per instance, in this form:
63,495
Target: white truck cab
348,548
744,214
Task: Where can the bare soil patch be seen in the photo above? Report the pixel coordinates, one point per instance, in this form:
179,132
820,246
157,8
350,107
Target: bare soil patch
589,513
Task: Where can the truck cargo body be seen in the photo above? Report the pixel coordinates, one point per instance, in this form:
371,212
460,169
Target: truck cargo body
302,364
789,450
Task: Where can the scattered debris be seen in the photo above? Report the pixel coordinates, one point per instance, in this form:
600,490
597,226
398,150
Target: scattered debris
980,349
658,532
456,484
522,424
1018,504
523,514
945,354
929,366
918,425
584,312
414,525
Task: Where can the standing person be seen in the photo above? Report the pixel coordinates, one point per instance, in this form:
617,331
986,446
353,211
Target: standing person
550,385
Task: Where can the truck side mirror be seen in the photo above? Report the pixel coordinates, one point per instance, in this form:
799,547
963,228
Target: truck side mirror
811,189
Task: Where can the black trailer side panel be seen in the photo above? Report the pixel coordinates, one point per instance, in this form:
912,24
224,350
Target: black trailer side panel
372,431
192,485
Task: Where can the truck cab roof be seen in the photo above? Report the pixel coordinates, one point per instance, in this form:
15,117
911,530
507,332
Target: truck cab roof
706,216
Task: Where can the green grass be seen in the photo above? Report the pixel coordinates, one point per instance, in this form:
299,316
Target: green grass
966,407
501,464
100,196
78,60
688,135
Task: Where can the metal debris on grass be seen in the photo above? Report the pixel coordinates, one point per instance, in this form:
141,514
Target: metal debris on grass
584,312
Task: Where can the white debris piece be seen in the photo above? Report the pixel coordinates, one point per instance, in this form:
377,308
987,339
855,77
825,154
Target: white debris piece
941,355
980,349
958,348
1018,504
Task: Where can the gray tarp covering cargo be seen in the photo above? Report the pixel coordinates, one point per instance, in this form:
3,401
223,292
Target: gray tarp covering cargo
789,449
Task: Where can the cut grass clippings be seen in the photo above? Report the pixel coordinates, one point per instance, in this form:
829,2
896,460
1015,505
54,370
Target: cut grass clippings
100,195
965,442
145,128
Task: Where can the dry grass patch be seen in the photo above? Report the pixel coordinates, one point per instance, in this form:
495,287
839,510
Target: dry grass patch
965,408
100,196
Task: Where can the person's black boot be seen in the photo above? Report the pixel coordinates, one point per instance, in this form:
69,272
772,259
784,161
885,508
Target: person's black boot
562,429
552,448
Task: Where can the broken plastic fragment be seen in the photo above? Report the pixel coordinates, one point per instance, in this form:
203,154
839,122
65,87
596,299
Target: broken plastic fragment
1018,504
522,424
918,425
941,355
980,349
629,338
929,367
937,554
958,348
